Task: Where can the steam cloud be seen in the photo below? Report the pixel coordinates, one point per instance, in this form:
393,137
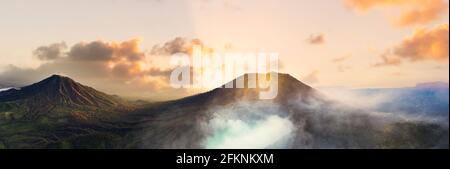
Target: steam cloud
339,119
249,126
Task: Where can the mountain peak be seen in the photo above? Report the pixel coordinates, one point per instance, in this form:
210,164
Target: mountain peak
288,88
57,78
58,89
55,83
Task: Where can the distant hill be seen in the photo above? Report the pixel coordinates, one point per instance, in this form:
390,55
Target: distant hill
433,85
425,99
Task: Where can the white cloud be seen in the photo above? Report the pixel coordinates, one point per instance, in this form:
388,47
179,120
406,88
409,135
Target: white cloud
244,128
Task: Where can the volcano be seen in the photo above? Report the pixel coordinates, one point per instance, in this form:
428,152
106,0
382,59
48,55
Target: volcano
58,112
61,113
63,91
288,88
226,117
58,96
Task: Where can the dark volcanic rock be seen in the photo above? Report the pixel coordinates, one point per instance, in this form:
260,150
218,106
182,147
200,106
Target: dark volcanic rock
63,91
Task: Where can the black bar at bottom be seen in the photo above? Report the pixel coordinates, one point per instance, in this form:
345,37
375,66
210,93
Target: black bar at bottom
224,158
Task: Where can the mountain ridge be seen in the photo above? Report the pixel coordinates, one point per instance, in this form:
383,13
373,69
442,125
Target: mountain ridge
60,113
227,95
61,90
61,98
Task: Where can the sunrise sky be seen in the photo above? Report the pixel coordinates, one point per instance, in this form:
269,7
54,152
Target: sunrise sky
121,46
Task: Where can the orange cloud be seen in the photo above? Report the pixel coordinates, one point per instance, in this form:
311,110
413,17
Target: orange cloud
123,59
107,51
365,5
412,11
423,44
120,67
179,45
388,60
316,39
425,12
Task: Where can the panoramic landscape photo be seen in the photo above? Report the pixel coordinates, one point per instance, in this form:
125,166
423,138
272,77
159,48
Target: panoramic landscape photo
224,74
